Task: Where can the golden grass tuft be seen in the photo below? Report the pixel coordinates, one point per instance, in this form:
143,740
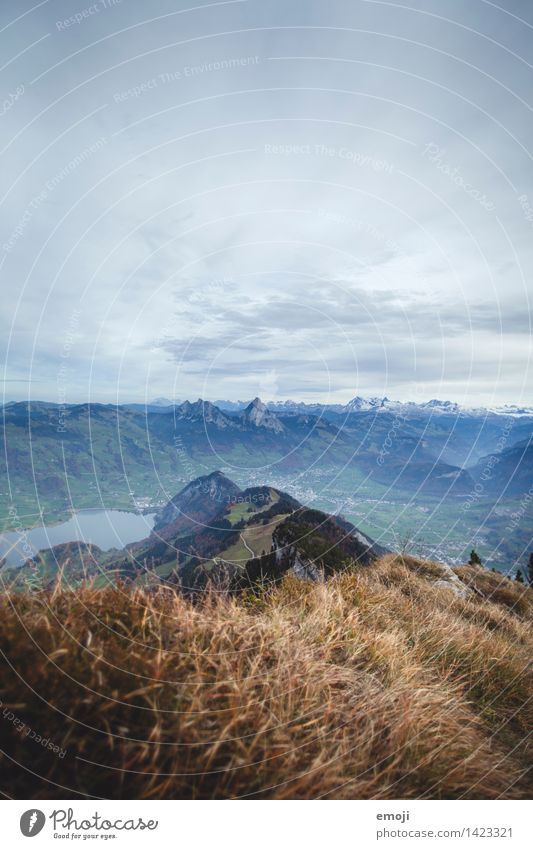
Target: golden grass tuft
377,684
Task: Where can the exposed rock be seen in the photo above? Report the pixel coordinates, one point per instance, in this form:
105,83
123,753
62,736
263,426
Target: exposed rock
306,569
456,586
257,414
450,580
206,412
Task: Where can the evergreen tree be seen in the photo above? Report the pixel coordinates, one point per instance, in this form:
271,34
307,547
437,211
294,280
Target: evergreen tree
518,576
475,559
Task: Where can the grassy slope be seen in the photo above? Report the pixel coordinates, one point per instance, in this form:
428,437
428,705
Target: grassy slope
373,685
257,537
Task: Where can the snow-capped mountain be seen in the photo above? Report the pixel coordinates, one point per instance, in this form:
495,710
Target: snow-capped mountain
377,405
373,404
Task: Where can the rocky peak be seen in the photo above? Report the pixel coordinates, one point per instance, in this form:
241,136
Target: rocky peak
204,411
257,414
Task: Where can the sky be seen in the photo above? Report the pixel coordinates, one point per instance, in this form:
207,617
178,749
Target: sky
293,199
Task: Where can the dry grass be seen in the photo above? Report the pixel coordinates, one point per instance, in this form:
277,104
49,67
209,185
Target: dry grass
374,685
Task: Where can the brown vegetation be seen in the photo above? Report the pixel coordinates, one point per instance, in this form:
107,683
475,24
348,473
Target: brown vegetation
377,684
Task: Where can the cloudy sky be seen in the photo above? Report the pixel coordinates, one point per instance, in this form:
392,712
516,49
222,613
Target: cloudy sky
292,199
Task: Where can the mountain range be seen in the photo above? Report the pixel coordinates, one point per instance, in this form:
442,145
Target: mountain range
373,404
57,458
358,404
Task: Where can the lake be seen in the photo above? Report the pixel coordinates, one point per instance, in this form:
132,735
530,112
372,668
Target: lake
104,528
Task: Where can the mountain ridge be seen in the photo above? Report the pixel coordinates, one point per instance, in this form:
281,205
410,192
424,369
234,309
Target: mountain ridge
212,531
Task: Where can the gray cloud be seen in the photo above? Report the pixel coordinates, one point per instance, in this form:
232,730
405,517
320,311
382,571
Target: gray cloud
314,198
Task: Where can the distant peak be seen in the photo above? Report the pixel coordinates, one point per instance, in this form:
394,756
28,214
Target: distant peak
257,403
204,411
257,414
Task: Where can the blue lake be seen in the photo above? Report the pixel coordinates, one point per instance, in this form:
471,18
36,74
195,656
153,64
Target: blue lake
104,528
